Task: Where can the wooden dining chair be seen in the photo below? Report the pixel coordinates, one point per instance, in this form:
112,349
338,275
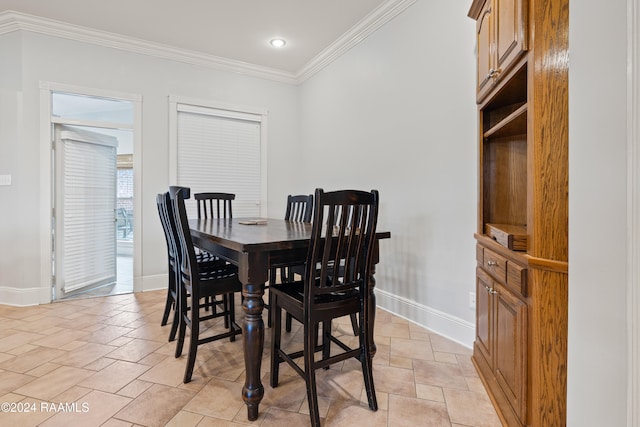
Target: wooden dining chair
205,261
300,208
195,284
166,217
343,234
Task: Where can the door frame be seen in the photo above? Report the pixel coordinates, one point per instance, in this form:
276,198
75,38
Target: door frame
633,212
47,183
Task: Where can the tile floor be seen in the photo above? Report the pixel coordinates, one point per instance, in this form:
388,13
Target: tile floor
105,361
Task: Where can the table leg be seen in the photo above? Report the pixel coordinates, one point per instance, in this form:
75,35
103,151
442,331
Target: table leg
253,341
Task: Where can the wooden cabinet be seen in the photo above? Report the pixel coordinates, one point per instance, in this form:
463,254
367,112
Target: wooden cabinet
501,330
501,39
520,348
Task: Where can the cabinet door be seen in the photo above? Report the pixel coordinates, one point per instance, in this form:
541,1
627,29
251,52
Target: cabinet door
510,21
484,46
484,315
511,349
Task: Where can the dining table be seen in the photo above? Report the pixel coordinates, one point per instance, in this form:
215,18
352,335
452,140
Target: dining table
255,245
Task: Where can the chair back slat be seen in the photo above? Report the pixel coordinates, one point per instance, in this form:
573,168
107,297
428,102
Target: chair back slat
214,205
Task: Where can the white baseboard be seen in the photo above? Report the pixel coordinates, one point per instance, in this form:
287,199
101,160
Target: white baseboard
154,283
448,326
21,297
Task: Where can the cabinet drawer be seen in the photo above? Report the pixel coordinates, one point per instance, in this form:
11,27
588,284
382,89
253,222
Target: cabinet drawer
517,278
495,264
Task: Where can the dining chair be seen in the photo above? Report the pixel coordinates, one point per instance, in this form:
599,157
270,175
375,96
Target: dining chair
195,284
166,216
343,234
300,208
205,261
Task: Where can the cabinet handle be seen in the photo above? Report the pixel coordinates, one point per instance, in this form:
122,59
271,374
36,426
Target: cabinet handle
493,73
491,263
490,291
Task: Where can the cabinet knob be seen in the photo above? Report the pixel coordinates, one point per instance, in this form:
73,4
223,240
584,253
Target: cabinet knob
493,73
489,290
491,263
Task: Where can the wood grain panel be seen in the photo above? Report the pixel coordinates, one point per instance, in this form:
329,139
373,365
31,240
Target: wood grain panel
548,147
505,180
548,348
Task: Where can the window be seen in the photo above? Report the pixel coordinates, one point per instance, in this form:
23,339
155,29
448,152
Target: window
220,150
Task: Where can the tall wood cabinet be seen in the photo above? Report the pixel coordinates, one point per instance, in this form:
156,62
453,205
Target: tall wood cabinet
520,350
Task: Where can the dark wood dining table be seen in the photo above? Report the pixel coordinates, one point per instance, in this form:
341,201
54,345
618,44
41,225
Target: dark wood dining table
255,248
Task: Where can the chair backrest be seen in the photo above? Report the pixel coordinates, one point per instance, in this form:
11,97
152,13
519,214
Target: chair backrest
342,240
188,266
222,202
299,208
165,211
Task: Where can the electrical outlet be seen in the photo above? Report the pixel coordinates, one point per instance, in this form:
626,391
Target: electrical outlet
472,300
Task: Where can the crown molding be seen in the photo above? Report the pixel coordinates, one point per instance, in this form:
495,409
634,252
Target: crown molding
11,21
367,26
14,21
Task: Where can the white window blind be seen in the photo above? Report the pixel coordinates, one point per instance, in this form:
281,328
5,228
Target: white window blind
219,151
87,245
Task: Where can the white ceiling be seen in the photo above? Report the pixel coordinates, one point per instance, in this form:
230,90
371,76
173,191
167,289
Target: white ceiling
239,30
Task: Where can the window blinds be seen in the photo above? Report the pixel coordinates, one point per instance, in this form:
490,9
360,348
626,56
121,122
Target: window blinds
87,245
219,151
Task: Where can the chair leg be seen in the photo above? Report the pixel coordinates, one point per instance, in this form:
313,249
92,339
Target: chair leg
182,329
225,306
231,314
272,281
310,374
276,331
354,325
367,368
287,324
172,296
176,321
367,372
326,341
167,307
193,343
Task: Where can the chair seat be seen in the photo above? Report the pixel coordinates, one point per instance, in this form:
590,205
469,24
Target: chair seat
217,269
295,290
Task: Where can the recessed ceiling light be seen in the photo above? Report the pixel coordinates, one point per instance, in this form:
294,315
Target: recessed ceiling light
278,43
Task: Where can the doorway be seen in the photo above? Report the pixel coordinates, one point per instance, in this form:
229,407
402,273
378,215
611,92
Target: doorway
93,215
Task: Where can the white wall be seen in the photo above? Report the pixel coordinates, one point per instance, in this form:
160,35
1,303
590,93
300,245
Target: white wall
597,365
29,59
403,101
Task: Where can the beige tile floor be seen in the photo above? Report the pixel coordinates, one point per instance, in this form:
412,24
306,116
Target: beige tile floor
106,361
